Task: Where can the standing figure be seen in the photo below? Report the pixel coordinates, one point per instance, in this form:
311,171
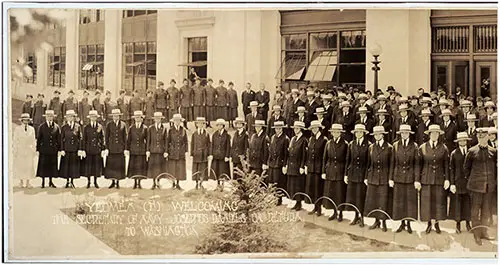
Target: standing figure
92,148
433,180
263,98
210,101
405,168
186,98
296,180
320,116
464,110
161,102
24,148
487,120
258,148
71,136
384,119
278,156
365,120
403,119
156,148
346,117
221,101
201,148
425,121
327,105
28,105
302,117
252,117
247,96
48,148
136,103
149,108
460,207
239,143
98,106
177,147
449,128
136,149
199,99
38,112
108,107
173,99
334,163
56,105
314,165
83,109
232,95
221,152
471,121
116,138
122,104
274,118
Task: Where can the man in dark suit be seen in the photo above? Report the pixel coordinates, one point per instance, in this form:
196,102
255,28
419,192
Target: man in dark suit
481,172
221,152
136,103
464,110
173,100
48,147
149,108
327,105
346,117
296,102
278,156
210,101
362,98
98,106
425,121
258,149
450,130
403,119
311,105
382,103
221,101
28,105
263,98
160,98
156,148
276,116
56,105
39,109
116,138
471,130
364,119
302,117
186,99
320,116
252,117
199,99
383,119
201,148
247,96
239,143
108,106
92,148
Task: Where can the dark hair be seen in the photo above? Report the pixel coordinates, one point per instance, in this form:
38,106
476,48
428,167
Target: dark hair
172,81
122,92
29,96
221,81
85,92
71,92
210,80
160,83
98,92
108,92
230,83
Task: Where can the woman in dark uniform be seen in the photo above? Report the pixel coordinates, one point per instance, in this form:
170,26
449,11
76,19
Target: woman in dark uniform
116,138
93,145
177,147
136,148
200,150
296,163
71,135
156,144
278,155
314,165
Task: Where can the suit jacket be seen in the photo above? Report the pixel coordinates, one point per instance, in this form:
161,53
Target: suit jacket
270,131
28,108
296,155
293,108
485,122
177,143
173,98
334,159
69,104
327,125
83,110
239,146
347,122
329,113
156,141
311,108
116,137
457,173
161,98
38,110
449,135
71,137
221,99
397,124
473,137
387,107
369,124
246,97
108,107
258,150
379,164
357,161
263,98
186,94
201,146
210,95
97,105
278,151
434,164
387,123
460,119
56,105
93,139
136,140
251,122
122,104
421,137
480,168
136,104
315,152
221,145
149,108
199,95
233,98
405,162
48,139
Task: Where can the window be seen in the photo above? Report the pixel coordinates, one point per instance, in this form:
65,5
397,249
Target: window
56,69
352,58
139,64
197,57
91,15
485,38
294,57
31,62
323,56
92,67
141,12
450,39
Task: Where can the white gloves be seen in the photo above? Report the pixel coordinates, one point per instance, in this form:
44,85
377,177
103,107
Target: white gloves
103,153
301,171
81,154
126,153
226,159
148,154
346,179
165,155
305,170
62,153
323,176
264,167
284,169
391,183
446,184
366,182
418,186
210,157
453,189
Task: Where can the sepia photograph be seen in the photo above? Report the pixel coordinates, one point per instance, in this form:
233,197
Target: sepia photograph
138,132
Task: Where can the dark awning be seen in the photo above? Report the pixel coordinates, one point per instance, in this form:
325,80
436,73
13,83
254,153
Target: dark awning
194,64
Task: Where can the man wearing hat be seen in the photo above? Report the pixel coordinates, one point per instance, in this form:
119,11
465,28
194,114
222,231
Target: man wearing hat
239,143
200,150
464,110
83,108
70,103
210,101
48,147
263,98
221,101
92,146
382,103
481,172
247,96
363,97
136,148
232,111
471,129
312,104
220,152
199,99
296,103
98,106
487,120
364,119
252,117
258,148
450,130
116,138
56,105
173,100
314,165
404,118
460,208
356,166
39,109
414,106
405,167
334,161
443,105
346,117
177,148
320,116
433,180
327,105
276,116
149,108
28,105
23,151
122,104
108,106
161,98
383,119
186,99
278,156
71,136
294,169
303,117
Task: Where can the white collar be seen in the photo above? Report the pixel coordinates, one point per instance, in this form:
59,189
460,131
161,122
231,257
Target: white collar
221,131
298,135
240,130
260,133
318,134
337,141
381,142
360,139
278,135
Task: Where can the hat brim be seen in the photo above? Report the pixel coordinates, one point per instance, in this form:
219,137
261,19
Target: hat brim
297,127
274,127
96,115
74,114
359,130
205,121
53,115
439,131
162,117
239,122
462,139
253,106
383,113
314,127
316,113
466,120
428,115
138,116
180,119
336,130
378,133
22,119
116,114
405,109
259,125
411,132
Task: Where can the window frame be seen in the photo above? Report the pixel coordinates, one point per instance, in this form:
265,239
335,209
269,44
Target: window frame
146,63
96,73
55,76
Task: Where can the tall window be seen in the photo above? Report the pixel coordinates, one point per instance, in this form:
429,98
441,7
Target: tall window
57,65
140,12
139,63
294,60
31,62
485,38
92,67
352,58
197,56
91,15
454,39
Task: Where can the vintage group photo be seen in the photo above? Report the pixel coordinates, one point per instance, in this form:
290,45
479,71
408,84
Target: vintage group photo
243,133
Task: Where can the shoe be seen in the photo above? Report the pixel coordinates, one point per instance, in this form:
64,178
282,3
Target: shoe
197,185
318,212
51,185
117,184
408,227
88,185
467,225
457,228
384,226
67,185
478,240
299,207
340,217
72,185
361,222
376,224
355,220
113,184
486,236
333,216
438,230
295,206
429,228
401,227
280,201
154,187
43,183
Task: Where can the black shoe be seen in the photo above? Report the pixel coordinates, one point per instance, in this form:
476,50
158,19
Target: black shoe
280,201
295,206
467,225
333,216
117,184
154,187
43,183
340,217
478,240
51,185
485,236
458,229
408,227
197,185
438,230
429,228
384,226
88,184
95,185
67,185
299,207
355,220
401,227
318,212
113,184
361,222
72,185
376,224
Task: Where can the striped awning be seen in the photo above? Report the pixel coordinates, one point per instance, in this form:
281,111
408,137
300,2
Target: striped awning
87,67
194,64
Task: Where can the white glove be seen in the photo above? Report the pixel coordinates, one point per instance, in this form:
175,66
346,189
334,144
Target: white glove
301,170
165,155
346,179
63,153
226,159
264,167
323,176
210,157
84,154
453,189
37,153
148,154
366,182
126,152
418,186
446,184
305,170
107,152
103,153
391,183
284,170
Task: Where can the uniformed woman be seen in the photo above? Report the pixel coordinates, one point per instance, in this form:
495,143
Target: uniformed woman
296,163
116,137
278,155
71,135
156,144
314,165
177,147
136,149
221,151
200,150
92,148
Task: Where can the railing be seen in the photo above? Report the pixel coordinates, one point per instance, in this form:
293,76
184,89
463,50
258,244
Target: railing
485,38
453,39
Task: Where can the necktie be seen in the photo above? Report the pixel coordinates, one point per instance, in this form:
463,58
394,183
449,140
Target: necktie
464,151
404,120
51,125
25,128
359,142
470,131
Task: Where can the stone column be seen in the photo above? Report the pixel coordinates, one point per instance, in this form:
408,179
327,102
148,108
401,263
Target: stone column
72,51
113,51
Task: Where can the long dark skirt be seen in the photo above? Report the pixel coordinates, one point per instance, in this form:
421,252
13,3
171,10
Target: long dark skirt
210,113
405,201
220,167
177,168
137,165
70,165
156,165
232,113
378,197
356,195
432,203
200,171
198,111
115,166
296,184
221,112
47,166
275,175
187,113
314,186
460,207
335,190
93,165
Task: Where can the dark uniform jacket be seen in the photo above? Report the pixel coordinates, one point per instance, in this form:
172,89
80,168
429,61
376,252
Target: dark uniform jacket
108,107
258,150
457,173
161,98
28,108
485,122
199,96
239,146
246,97
386,107
83,110
315,152
210,95
116,137
135,104
69,104
56,105
480,169
334,159
296,155
270,131
177,143
136,140
379,163
156,142
387,123
233,98
149,107
357,160
97,105
405,162
329,113
420,136
311,108
397,123
473,137
369,124
326,126
346,121
93,139
221,145
71,137
461,123
38,110
221,99
48,139
278,151
123,106
306,121
201,147
250,119
434,164
450,133
173,96
263,98
186,94
293,109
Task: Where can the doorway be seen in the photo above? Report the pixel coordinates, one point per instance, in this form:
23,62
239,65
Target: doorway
451,76
485,79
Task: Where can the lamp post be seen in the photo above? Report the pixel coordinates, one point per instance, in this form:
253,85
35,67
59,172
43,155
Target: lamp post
376,50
